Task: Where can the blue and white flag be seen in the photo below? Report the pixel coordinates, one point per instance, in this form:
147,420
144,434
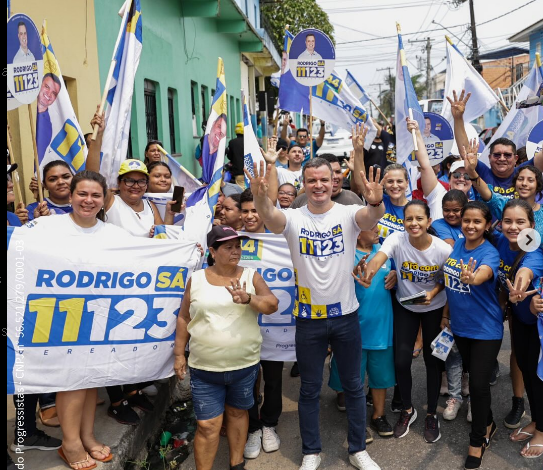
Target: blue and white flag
357,89
104,313
462,76
119,98
519,122
334,103
405,100
293,96
58,134
251,149
180,175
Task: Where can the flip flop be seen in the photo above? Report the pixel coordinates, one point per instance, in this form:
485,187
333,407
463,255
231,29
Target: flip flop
518,433
109,458
416,352
527,447
73,464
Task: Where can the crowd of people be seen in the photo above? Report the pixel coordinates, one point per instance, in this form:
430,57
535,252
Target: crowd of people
447,258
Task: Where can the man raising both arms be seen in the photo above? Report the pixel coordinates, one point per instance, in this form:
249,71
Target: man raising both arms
322,239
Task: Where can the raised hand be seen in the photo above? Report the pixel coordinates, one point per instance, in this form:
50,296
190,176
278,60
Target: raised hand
272,154
239,294
350,162
362,276
517,293
373,188
412,125
470,155
358,134
99,120
468,271
259,182
458,105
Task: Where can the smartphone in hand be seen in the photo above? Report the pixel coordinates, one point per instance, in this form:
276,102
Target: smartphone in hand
178,192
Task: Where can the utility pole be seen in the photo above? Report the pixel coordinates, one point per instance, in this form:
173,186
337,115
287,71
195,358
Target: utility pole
475,48
390,97
428,49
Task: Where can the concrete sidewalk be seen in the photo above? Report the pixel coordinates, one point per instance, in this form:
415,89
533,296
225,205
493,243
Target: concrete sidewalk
126,442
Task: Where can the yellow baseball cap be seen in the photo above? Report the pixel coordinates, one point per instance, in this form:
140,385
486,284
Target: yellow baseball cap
132,165
239,128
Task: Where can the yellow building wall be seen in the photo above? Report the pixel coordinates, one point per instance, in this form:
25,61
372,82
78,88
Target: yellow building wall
72,32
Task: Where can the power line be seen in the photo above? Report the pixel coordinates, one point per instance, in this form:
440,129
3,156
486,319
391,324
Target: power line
507,13
395,35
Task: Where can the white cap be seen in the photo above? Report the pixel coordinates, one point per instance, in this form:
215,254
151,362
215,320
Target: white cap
457,164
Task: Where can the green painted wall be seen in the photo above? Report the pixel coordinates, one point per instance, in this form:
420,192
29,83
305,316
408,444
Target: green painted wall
177,53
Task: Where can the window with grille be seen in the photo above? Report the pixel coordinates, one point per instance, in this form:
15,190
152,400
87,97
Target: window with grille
171,118
151,123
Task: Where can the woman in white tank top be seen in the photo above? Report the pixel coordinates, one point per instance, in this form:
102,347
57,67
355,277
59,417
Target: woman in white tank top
219,314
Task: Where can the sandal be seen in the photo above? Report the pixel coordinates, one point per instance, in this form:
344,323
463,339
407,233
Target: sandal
109,457
416,352
527,447
73,464
518,433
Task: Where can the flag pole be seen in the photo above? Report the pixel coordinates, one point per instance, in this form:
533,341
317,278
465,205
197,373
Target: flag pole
310,124
278,115
128,7
16,182
404,64
381,112
36,159
500,100
181,167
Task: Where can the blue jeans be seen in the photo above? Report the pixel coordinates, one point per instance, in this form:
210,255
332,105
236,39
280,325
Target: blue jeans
453,366
312,340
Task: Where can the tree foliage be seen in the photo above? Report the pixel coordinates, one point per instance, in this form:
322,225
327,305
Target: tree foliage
388,94
299,15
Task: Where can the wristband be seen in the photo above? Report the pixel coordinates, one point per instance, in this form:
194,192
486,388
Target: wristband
248,300
475,179
448,318
376,205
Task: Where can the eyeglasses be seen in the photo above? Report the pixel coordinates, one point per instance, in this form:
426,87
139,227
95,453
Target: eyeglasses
285,193
459,175
302,136
131,182
507,155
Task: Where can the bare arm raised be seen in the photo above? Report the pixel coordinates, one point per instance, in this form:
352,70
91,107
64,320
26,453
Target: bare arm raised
368,216
458,106
428,177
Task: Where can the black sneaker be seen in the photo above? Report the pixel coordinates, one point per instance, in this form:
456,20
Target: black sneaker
382,426
495,374
431,429
139,400
294,372
39,440
10,464
401,428
340,401
512,420
123,414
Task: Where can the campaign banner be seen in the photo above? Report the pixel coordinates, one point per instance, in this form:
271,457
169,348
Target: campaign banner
269,255
535,140
438,137
311,57
24,59
91,311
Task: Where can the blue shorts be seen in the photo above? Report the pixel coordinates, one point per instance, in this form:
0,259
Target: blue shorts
378,363
212,390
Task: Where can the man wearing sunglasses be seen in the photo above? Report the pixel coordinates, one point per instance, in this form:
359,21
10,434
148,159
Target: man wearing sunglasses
302,139
503,152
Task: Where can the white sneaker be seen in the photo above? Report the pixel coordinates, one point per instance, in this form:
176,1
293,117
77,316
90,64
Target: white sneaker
150,390
270,439
444,390
311,462
253,445
453,405
465,384
468,417
363,461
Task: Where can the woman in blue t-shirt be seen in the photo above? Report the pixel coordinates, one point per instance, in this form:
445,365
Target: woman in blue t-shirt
395,182
449,228
471,274
524,267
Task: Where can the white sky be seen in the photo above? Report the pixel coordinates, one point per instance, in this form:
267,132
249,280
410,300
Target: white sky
355,20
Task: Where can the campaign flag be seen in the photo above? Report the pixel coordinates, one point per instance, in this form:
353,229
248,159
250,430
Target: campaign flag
334,103
357,89
293,96
462,76
119,98
519,122
251,149
180,175
405,100
58,134
104,313
202,202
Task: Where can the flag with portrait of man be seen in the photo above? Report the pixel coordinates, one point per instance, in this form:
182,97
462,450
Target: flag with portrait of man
58,134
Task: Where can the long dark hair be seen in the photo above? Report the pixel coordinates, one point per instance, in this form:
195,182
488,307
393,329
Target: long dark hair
480,206
455,195
53,164
87,175
524,206
538,178
420,203
152,165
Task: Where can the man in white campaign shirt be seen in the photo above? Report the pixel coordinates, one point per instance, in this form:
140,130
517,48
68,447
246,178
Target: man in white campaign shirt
309,53
322,240
23,54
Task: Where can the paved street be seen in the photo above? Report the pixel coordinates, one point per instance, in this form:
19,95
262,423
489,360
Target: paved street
409,453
